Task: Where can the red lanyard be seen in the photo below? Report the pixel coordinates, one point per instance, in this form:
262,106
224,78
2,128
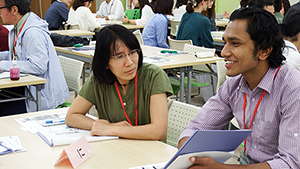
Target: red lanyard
18,36
122,103
255,110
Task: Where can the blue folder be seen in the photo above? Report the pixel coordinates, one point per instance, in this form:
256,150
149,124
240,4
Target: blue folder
211,140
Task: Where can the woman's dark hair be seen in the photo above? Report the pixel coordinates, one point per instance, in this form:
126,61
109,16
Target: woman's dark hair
105,48
286,6
142,4
291,23
264,31
180,3
210,12
193,3
244,3
163,7
78,3
22,5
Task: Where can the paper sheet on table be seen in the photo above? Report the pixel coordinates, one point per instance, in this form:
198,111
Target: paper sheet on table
12,142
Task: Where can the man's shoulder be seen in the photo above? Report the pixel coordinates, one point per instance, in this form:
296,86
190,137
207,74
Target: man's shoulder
296,5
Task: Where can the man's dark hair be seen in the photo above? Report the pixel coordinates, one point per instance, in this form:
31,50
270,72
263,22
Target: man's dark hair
291,23
105,48
22,5
277,5
163,7
260,3
264,31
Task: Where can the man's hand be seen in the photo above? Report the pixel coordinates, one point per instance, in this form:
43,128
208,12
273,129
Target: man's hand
203,163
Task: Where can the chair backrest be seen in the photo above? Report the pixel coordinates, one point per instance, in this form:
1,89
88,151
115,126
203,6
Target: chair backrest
68,26
180,114
138,35
193,49
221,73
174,27
72,71
178,44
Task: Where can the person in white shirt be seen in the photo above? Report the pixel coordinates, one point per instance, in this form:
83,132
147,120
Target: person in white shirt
81,14
291,32
179,10
146,12
110,10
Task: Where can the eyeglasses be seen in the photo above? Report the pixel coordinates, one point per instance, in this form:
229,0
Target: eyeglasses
2,7
132,54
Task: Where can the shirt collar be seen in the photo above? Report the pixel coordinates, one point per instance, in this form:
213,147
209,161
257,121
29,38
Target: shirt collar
20,23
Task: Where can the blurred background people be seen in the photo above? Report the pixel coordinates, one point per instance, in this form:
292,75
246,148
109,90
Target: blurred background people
110,10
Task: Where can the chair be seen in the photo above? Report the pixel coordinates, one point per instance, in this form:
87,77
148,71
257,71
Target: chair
178,44
203,73
174,27
179,116
221,73
138,35
72,70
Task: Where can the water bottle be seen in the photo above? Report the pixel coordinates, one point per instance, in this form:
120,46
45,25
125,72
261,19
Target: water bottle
14,71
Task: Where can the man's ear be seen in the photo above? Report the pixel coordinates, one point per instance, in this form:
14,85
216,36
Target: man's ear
14,10
264,53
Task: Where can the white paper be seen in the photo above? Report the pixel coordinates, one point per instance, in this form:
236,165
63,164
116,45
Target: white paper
12,142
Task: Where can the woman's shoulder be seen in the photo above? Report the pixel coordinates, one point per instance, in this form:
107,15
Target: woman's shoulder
150,69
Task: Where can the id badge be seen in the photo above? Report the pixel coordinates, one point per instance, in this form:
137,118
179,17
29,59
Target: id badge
243,159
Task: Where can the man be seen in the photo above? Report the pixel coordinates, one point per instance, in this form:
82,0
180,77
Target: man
31,46
111,10
297,5
291,34
259,87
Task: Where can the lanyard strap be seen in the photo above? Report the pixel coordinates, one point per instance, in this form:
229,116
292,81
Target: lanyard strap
15,39
255,110
122,103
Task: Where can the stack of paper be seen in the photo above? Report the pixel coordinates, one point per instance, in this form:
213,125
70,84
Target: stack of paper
10,144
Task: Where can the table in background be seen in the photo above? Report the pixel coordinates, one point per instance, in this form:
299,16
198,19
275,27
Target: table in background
221,24
183,61
218,40
126,25
109,154
38,82
75,32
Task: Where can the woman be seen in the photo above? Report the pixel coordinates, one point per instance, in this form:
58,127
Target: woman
210,13
129,95
194,25
146,12
57,13
156,29
81,14
179,10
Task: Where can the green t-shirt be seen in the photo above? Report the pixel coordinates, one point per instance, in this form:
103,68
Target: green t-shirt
151,80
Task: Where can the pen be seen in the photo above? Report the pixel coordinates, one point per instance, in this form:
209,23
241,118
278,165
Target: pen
7,148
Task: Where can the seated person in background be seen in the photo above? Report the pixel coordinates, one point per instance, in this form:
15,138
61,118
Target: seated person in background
297,5
156,29
3,38
291,33
81,14
34,52
129,95
243,4
110,10
210,13
278,5
267,5
180,9
262,93
57,13
146,12
286,7
195,26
